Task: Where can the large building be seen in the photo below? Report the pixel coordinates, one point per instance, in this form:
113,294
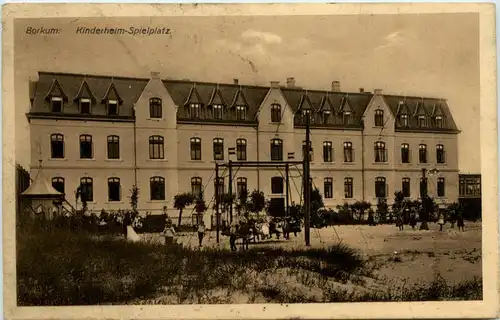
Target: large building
109,133
469,194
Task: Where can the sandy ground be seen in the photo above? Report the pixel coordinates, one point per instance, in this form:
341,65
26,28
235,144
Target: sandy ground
402,256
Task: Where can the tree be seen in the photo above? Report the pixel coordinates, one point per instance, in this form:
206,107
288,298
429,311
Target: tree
134,197
181,201
257,202
242,205
345,213
360,207
316,202
428,207
382,208
200,205
226,200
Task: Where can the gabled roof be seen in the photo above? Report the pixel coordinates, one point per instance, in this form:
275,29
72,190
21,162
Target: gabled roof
437,110
112,94
41,187
194,96
305,103
420,109
53,87
84,92
402,108
239,99
216,97
327,105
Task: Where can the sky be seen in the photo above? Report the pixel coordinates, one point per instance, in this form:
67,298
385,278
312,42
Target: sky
431,55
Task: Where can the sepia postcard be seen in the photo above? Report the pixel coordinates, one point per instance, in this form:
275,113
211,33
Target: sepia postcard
250,161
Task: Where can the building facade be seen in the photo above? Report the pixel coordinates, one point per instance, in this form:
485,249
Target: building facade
469,195
165,136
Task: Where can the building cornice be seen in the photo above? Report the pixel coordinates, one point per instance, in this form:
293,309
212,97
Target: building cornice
79,117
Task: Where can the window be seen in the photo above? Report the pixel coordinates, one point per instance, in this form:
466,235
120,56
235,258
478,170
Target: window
86,189
241,113
157,188
347,117
379,118
194,110
58,184
380,187
112,107
86,150
195,149
85,106
113,147
423,187
348,188
219,187
422,153
196,186
56,104
327,117
241,149
440,154
305,149
277,185
403,120
241,185
405,153
328,188
421,121
156,147
462,187
380,152
114,189
275,113
155,108
348,152
405,187
438,122
277,150
327,151
440,187
57,146
218,149
217,111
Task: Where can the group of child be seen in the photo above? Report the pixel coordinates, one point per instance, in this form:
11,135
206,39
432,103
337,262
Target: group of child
169,232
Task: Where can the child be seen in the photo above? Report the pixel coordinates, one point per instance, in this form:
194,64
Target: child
169,233
460,222
441,222
201,232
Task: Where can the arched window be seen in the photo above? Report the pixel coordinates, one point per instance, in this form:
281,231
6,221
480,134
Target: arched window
195,148
440,154
423,187
348,188
380,152
58,184
405,153
218,111
241,112
86,147
157,188
155,108
195,111
196,186
441,187
380,187
57,146
275,113
277,150
422,153
86,189
241,149
403,120
328,187
348,152
113,147
379,118
218,148
277,185
114,189
327,151
156,147
405,187
241,185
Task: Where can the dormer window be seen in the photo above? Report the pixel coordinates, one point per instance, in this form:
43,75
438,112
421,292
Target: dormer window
241,113
112,107
403,120
438,122
155,108
217,111
56,104
85,105
327,116
421,121
346,117
194,110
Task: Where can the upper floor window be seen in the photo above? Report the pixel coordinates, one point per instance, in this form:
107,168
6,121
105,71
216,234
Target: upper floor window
219,187
440,187
422,153
86,189
403,120
195,111
241,185
155,108
241,113
379,118
380,152
328,187
85,106
57,146
423,187
421,121
217,110
195,148
157,188
440,154
58,184
277,149
327,117
380,187
405,153
327,151
347,117
114,189
275,113
277,185
306,150
348,188
86,147
112,107
196,186
405,187
56,104
218,149
113,147
156,147
241,149
438,122
348,152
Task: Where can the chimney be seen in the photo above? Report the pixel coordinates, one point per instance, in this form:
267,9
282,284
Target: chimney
377,91
290,82
275,84
236,81
155,75
336,86
361,90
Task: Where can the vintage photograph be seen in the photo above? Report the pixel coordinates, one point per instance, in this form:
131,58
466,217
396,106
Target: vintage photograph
248,159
